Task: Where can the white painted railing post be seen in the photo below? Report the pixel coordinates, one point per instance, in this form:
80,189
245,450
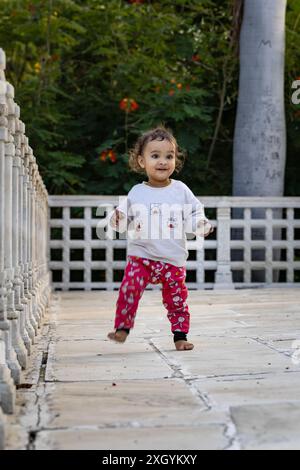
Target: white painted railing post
7,390
8,210
223,276
16,314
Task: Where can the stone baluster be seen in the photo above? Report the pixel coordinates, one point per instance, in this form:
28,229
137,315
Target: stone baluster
33,266
44,263
7,390
45,242
36,253
12,359
223,277
29,293
26,215
18,312
22,227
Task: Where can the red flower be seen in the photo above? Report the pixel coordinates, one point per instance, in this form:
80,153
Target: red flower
136,1
196,58
171,92
108,154
128,105
112,156
133,105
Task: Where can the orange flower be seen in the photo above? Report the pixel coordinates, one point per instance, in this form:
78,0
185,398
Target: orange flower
179,86
171,92
128,105
133,105
196,58
108,154
103,156
112,156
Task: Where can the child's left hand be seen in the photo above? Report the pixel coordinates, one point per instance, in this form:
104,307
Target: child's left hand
208,229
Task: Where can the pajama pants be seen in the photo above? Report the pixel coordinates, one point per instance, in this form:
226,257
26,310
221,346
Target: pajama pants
141,271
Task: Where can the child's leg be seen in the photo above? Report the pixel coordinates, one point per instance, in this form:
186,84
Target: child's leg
175,293
134,282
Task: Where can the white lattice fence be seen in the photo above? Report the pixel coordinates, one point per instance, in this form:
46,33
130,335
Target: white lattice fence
256,249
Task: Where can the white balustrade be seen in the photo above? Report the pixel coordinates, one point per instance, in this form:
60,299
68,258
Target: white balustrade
79,259
24,267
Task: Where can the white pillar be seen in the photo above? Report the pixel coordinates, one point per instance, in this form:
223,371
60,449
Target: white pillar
223,277
7,390
18,343
27,329
11,313
31,322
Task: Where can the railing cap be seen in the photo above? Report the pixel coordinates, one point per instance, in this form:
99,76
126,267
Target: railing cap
2,59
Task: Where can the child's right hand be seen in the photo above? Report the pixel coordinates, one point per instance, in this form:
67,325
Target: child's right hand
116,217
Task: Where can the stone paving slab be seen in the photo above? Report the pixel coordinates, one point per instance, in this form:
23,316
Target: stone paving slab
148,403
96,360
225,392
268,426
208,437
222,356
238,389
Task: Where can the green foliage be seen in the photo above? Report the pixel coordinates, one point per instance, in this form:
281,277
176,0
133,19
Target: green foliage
72,62
292,183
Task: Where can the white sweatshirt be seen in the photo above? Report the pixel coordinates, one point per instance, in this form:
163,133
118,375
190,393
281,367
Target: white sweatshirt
157,220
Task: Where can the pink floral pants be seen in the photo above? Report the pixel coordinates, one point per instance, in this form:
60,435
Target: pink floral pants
141,271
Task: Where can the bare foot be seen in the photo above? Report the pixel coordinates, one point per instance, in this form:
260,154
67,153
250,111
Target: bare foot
118,336
183,345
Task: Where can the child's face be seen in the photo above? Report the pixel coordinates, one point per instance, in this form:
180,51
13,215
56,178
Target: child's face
158,160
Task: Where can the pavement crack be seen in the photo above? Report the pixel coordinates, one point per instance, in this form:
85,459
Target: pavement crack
179,374
230,433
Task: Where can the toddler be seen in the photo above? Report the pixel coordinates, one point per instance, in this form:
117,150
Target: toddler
157,214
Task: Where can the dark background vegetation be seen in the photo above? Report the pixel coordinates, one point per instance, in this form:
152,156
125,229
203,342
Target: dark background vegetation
72,63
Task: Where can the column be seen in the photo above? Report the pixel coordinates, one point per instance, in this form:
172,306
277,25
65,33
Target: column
223,277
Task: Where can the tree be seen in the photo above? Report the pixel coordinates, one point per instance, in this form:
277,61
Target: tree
259,151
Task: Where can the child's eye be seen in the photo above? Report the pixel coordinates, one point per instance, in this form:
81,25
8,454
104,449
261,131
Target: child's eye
170,157
154,155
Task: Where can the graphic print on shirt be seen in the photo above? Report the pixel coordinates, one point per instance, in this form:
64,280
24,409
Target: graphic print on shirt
162,219
172,222
155,209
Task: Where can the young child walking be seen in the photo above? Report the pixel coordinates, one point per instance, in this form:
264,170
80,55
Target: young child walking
157,214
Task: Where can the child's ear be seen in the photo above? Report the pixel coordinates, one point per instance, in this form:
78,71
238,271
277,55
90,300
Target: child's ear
141,161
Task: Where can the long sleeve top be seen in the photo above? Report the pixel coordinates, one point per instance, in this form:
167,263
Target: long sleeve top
158,219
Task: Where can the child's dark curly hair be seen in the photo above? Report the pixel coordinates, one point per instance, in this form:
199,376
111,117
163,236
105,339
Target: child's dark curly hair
158,133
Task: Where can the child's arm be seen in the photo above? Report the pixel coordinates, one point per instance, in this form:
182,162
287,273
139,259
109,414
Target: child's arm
194,216
118,217
117,220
